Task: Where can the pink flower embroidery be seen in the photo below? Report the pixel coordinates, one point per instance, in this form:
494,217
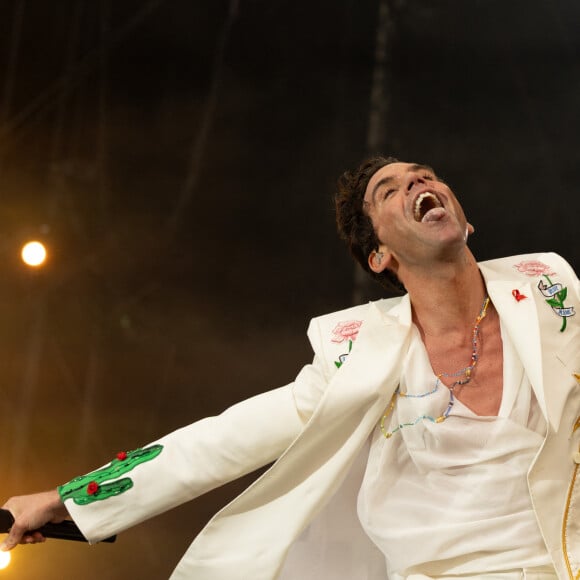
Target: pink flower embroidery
347,330
534,268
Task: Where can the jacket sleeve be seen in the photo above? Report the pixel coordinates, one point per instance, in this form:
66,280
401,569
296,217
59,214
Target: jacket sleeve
192,460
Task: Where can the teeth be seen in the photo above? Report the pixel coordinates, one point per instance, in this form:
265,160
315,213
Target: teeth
421,208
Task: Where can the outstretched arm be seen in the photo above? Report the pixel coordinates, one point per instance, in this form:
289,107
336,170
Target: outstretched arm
139,484
182,465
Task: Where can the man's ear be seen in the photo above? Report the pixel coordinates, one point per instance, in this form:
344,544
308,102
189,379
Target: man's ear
379,260
469,229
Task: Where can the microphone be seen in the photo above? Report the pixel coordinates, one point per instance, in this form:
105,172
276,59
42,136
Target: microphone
65,530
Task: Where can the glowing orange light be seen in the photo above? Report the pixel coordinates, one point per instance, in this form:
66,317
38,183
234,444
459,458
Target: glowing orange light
4,560
33,254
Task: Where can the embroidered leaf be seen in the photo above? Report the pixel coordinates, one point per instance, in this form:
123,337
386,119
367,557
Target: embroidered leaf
562,294
338,364
553,302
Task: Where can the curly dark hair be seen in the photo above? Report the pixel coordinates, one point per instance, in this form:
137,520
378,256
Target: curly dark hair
353,222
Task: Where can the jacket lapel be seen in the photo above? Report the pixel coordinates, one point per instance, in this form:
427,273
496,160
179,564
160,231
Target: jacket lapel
520,319
534,331
374,365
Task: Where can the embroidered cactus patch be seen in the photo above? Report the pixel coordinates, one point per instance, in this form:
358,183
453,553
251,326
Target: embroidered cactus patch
96,486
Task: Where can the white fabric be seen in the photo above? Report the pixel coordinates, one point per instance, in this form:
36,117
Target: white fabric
452,497
335,545
536,573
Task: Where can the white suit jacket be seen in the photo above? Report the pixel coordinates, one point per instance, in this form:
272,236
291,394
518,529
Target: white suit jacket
316,430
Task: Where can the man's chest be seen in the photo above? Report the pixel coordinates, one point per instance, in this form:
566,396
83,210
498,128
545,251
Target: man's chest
474,375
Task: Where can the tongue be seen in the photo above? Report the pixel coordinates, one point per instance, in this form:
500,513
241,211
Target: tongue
434,215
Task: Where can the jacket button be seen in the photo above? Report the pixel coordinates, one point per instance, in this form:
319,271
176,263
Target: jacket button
577,457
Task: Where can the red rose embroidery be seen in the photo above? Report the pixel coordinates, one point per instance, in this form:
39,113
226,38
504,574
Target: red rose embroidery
534,268
347,330
122,455
92,488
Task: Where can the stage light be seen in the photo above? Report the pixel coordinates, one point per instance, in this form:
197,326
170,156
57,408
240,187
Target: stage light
4,560
33,254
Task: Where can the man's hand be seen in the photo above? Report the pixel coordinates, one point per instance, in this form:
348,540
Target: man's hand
30,513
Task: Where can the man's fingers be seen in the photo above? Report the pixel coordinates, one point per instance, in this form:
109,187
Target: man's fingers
15,537
19,534
11,540
33,538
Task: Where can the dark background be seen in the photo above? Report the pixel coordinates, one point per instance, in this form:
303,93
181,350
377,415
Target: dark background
178,158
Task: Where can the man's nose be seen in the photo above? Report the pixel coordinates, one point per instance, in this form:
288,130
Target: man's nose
412,180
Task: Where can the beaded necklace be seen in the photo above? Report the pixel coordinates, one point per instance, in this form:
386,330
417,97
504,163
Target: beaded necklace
463,378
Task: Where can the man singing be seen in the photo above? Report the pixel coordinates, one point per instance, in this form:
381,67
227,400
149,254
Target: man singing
434,435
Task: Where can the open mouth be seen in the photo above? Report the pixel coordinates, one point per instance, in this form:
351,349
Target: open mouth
424,204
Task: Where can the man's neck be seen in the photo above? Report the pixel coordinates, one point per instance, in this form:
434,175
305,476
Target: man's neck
447,297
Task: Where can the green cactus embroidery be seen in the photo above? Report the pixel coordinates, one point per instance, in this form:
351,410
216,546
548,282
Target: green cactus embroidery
90,488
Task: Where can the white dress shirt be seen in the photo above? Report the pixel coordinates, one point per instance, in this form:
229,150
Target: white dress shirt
452,497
